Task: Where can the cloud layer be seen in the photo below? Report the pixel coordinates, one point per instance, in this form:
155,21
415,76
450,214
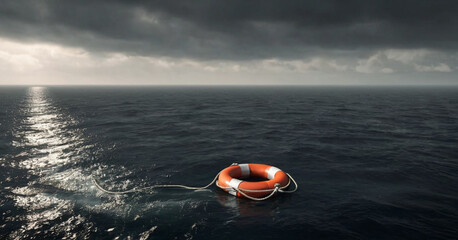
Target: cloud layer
366,37
213,29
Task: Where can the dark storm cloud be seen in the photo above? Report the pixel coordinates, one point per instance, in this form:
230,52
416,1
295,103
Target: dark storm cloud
211,29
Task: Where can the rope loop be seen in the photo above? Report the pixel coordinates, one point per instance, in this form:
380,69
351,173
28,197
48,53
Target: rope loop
275,190
289,191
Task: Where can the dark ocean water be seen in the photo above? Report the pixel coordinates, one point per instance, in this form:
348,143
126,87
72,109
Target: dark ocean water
371,163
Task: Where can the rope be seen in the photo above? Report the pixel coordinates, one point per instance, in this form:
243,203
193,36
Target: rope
239,190
152,187
289,191
259,199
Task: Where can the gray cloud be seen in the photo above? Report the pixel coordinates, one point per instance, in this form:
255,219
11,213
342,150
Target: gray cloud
235,30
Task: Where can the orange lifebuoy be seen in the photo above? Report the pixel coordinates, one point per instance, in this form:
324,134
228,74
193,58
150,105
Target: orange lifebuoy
231,180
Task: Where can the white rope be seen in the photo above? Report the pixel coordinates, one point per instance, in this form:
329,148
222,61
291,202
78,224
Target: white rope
248,190
259,199
289,191
239,190
152,187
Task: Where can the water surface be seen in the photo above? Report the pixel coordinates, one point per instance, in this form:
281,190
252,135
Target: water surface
372,163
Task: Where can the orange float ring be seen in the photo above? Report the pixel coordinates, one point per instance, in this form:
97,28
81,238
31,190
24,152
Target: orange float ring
231,180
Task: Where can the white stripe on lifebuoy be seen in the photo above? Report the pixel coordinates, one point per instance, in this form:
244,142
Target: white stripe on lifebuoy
271,172
245,168
234,183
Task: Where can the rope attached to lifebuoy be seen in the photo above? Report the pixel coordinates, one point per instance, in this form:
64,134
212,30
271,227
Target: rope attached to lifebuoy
240,190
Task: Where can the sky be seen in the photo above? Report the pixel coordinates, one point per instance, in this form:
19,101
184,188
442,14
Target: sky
221,42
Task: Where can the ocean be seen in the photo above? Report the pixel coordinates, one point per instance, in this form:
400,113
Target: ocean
371,162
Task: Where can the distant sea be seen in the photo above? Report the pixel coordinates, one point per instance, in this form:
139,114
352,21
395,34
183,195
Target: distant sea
371,162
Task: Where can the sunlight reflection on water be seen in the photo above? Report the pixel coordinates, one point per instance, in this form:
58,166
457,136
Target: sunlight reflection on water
52,151
43,133
47,147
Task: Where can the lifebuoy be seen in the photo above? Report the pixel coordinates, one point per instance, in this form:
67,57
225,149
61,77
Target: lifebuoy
228,179
231,180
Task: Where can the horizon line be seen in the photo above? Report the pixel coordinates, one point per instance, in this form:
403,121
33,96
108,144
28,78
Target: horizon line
236,85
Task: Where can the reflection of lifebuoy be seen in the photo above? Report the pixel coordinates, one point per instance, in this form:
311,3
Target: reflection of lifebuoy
245,208
230,180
